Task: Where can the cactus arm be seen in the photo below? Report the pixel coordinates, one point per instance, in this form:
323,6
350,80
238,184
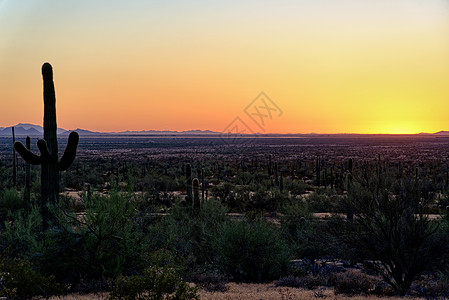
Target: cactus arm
70,152
45,153
27,155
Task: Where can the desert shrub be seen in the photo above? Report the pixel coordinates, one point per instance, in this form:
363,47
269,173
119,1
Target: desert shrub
188,235
153,284
434,286
319,201
10,200
211,281
305,236
222,192
354,282
391,233
305,282
296,187
18,280
22,234
251,251
263,200
104,240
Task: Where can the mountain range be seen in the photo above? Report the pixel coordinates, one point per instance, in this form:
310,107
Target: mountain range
25,129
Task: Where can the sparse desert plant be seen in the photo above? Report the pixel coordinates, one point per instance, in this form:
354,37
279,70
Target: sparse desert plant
211,281
306,238
107,240
305,282
22,234
153,284
10,201
189,234
390,232
251,251
18,280
354,282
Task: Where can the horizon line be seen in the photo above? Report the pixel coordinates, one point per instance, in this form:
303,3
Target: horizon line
218,132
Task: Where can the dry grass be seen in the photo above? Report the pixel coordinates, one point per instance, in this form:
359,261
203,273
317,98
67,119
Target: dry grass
270,292
82,297
255,292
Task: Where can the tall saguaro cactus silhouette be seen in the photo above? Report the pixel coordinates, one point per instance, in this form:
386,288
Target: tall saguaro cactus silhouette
48,147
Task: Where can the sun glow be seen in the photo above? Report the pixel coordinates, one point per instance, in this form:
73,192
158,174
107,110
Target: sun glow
400,128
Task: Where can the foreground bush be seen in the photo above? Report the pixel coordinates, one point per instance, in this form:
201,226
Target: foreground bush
153,284
391,233
185,237
18,280
251,252
354,282
103,241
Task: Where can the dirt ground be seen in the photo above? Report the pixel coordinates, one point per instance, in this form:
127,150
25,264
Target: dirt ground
255,292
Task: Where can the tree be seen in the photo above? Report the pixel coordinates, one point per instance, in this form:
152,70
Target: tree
391,232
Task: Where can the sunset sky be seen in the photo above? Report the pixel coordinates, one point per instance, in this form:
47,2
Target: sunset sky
346,66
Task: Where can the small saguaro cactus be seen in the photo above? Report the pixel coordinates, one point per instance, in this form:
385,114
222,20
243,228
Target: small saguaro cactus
203,185
196,194
189,197
26,192
350,166
14,159
48,147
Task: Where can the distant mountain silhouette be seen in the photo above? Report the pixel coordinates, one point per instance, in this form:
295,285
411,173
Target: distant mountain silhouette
85,132
20,131
442,133
169,132
36,130
26,129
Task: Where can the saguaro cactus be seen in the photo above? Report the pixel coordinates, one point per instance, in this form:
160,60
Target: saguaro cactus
26,192
14,160
196,195
189,197
48,147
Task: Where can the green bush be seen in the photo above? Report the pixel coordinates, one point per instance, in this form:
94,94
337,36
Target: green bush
296,187
105,240
306,237
22,235
354,282
319,201
153,284
391,233
19,281
10,200
188,235
101,242
251,252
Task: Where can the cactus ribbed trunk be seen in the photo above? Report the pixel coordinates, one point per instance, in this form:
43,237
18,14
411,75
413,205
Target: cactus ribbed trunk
203,186
189,197
26,192
49,170
196,195
14,159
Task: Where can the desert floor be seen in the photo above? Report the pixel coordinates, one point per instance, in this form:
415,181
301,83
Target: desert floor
256,292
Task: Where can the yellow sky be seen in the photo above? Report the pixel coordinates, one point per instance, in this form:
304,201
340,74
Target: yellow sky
330,66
